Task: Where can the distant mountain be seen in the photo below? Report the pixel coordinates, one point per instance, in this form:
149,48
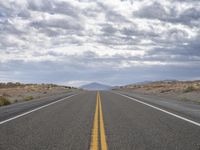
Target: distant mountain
96,86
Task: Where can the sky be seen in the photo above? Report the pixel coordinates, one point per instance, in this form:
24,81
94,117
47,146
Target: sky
116,42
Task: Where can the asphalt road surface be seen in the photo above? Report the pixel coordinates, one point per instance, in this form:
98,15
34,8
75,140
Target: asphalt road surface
97,120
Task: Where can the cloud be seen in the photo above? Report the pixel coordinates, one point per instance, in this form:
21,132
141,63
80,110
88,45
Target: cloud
171,14
74,42
54,7
152,11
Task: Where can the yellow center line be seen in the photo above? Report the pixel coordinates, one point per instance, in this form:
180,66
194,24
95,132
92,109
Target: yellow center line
102,129
98,116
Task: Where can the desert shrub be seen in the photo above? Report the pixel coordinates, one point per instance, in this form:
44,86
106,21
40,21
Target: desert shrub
4,101
5,95
189,89
28,98
184,99
165,91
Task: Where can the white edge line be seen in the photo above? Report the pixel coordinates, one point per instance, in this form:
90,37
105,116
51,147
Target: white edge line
38,108
157,108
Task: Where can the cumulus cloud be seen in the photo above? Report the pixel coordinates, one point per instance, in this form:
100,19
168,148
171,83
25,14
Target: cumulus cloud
74,42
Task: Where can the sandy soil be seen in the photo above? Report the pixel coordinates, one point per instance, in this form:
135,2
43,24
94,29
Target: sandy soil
29,92
180,90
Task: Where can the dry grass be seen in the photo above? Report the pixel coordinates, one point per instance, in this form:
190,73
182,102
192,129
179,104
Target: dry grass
183,90
28,98
190,89
163,87
18,92
4,101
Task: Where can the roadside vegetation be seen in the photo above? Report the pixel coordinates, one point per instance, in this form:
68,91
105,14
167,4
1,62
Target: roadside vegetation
18,92
190,89
28,98
173,89
4,101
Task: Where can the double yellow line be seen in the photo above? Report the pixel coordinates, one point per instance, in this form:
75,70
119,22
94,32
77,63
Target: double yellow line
98,125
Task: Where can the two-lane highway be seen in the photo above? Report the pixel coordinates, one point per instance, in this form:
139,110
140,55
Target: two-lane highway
98,120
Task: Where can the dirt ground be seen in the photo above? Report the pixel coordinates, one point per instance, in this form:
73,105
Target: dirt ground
29,92
180,90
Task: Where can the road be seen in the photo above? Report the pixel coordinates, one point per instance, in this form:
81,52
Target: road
97,120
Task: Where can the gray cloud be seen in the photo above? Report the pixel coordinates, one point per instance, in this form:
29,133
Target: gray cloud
60,41
65,24
153,11
54,7
157,11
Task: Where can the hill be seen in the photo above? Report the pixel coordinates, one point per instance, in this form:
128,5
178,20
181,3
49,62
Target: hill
96,86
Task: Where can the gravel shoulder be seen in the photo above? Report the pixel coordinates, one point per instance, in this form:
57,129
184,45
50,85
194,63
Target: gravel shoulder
189,109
